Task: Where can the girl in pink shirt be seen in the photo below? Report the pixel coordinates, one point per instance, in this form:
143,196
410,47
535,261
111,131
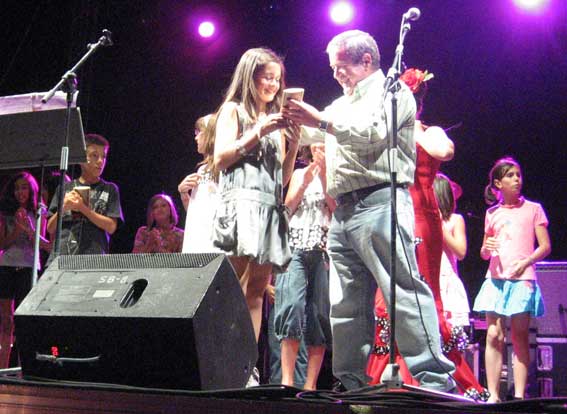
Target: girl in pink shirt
512,226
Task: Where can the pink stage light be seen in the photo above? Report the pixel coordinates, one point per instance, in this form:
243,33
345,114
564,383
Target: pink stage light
206,29
341,12
532,6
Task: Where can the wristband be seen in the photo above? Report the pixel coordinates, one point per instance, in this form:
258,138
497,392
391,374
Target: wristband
323,125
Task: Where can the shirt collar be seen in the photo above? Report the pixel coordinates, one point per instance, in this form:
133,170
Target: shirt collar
517,204
362,87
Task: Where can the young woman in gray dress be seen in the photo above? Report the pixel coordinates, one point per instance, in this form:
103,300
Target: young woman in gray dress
250,153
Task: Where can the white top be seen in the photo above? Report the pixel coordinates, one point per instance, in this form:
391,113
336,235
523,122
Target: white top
309,224
200,213
453,292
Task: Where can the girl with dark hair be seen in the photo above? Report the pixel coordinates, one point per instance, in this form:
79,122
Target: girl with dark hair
160,234
302,305
254,166
453,294
18,205
512,227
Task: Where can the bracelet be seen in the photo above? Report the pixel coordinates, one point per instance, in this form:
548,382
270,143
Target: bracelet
240,148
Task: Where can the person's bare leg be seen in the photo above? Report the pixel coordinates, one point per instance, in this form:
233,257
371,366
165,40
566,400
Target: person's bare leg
289,350
6,331
495,338
257,278
314,362
520,329
240,263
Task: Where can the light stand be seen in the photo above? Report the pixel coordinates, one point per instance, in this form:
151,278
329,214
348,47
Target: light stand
68,84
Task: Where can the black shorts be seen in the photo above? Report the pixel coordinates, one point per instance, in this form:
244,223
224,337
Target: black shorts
15,282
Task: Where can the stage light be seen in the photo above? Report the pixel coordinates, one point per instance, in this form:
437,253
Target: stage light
206,29
532,6
341,12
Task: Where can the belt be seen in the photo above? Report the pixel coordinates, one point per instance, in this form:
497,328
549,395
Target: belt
362,193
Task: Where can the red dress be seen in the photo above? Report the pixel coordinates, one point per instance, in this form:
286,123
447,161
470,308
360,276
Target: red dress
429,235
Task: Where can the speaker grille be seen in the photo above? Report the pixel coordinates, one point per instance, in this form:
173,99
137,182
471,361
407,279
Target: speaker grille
551,277
137,261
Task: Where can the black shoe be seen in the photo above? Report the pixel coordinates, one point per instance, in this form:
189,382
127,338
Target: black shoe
338,386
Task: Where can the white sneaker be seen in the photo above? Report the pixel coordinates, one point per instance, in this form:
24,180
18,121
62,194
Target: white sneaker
254,379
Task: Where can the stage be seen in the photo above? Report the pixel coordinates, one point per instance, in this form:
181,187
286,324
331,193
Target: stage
19,395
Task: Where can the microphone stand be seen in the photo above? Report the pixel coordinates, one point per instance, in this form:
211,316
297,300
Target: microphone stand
68,84
40,211
391,378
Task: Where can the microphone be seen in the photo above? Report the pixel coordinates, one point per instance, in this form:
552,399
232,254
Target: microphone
412,14
106,38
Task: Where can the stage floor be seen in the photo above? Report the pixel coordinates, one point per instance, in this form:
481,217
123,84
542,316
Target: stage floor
19,395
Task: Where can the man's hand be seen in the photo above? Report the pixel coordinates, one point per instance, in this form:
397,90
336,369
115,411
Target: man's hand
302,113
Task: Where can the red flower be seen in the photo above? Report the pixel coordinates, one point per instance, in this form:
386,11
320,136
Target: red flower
413,78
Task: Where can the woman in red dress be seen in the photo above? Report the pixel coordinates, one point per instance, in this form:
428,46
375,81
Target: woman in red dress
432,147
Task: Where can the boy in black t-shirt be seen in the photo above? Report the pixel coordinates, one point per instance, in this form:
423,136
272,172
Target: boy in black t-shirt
87,227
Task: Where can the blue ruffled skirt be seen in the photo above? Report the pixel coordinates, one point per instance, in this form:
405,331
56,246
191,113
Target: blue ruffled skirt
509,297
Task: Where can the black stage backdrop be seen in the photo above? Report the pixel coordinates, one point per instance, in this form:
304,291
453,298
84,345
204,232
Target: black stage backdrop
499,73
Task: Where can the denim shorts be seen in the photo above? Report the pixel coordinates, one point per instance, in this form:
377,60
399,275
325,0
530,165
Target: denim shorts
302,308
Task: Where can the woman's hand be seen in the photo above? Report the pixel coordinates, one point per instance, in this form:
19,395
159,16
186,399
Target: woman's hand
311,171
519,267
318,152
271,123
189,183
492,244
153,243
271,292
292,134
23,223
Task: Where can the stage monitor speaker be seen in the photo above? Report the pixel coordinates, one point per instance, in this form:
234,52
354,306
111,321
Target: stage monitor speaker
552,277
175,321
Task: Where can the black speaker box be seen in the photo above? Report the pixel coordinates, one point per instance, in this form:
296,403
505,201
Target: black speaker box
177,321
552,277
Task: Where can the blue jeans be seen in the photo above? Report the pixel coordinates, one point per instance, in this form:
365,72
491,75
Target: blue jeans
302,299
300,373
359,247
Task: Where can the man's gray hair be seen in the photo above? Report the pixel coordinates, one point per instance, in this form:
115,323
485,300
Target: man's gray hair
355,43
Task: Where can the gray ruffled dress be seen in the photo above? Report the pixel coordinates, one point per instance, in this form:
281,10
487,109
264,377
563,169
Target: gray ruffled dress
251,219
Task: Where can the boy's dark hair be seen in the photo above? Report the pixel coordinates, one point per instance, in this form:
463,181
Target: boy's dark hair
96,139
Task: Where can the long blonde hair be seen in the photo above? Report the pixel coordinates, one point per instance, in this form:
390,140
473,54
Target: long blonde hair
242,88
209,147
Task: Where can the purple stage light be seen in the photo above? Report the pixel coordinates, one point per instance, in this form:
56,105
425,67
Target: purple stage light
341,12
532,6
206,29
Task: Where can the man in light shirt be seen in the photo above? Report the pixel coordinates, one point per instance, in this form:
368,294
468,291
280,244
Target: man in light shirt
356,128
